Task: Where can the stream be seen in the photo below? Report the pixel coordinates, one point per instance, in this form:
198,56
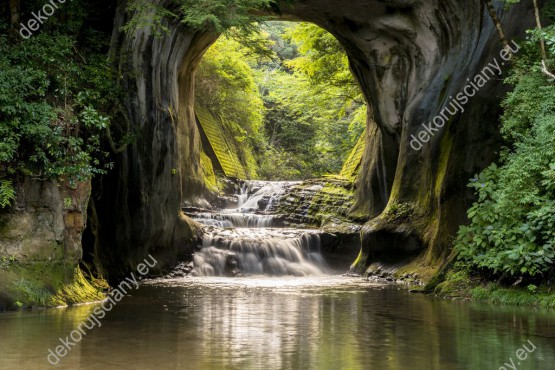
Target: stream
262,294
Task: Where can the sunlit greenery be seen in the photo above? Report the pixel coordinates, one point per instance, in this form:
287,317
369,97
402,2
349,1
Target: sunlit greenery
296,103
226,85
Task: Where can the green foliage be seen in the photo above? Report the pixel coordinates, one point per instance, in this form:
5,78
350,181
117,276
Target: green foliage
512,230
53,103
314,108
201,15
286,94
322,60
68,202
225,85
7,193
542,297
277,164
221,15
148,15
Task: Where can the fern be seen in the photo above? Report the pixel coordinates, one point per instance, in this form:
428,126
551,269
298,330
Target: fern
7,193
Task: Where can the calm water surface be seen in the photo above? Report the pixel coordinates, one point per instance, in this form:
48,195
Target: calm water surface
282,323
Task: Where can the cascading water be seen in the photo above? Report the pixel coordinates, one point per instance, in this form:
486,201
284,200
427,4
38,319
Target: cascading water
228,220
243,194
265,195
255,207
241,241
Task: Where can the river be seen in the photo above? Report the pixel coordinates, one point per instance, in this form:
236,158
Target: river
265,298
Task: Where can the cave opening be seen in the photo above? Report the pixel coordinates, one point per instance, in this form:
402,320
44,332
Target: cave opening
278,103
281,123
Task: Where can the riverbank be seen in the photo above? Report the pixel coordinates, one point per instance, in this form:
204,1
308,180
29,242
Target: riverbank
43,285
33,291
453,282
458,283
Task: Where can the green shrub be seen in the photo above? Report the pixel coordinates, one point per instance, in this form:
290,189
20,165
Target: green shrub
54,103
512,229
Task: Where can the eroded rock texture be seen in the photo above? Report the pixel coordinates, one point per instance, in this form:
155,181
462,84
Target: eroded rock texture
409,57
46,222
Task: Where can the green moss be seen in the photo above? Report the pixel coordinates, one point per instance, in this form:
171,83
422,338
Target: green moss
544,297
209,176
332,202
335,190
353,162
45,284
445,154
397,211
443,94
387,59
456,285
226,149
418,267
457,282
359,263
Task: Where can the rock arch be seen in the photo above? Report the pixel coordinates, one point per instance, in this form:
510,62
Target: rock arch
409,57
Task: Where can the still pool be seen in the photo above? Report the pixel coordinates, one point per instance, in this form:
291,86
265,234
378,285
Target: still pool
331,322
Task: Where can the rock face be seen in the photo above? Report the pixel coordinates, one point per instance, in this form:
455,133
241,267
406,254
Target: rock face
139,211
40,245
409,57
46,223
318,203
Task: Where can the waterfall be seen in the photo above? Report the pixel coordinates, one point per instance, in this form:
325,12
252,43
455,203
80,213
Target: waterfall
255,252
234,219
243,194
244,240
267,195
256,200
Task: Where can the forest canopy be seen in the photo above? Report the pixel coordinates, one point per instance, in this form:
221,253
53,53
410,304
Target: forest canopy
287,93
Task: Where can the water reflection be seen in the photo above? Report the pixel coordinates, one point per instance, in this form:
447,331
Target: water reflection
282,323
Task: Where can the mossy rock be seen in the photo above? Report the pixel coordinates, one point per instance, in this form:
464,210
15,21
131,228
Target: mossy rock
44,284
352,164
236,159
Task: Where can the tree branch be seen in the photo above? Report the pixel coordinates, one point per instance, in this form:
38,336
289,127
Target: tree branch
496,22
113,147
545,70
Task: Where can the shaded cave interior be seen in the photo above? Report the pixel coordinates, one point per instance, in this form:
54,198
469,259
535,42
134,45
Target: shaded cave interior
408,57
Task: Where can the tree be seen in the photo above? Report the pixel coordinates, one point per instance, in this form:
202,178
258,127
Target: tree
200,15
539,32
15,7
545,69
286,90
55,105
497,22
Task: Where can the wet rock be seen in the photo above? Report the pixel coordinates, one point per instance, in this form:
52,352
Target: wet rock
264,202
181,270
232,265
226,201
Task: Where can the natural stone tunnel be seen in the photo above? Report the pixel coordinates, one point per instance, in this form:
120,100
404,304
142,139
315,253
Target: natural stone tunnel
409,57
